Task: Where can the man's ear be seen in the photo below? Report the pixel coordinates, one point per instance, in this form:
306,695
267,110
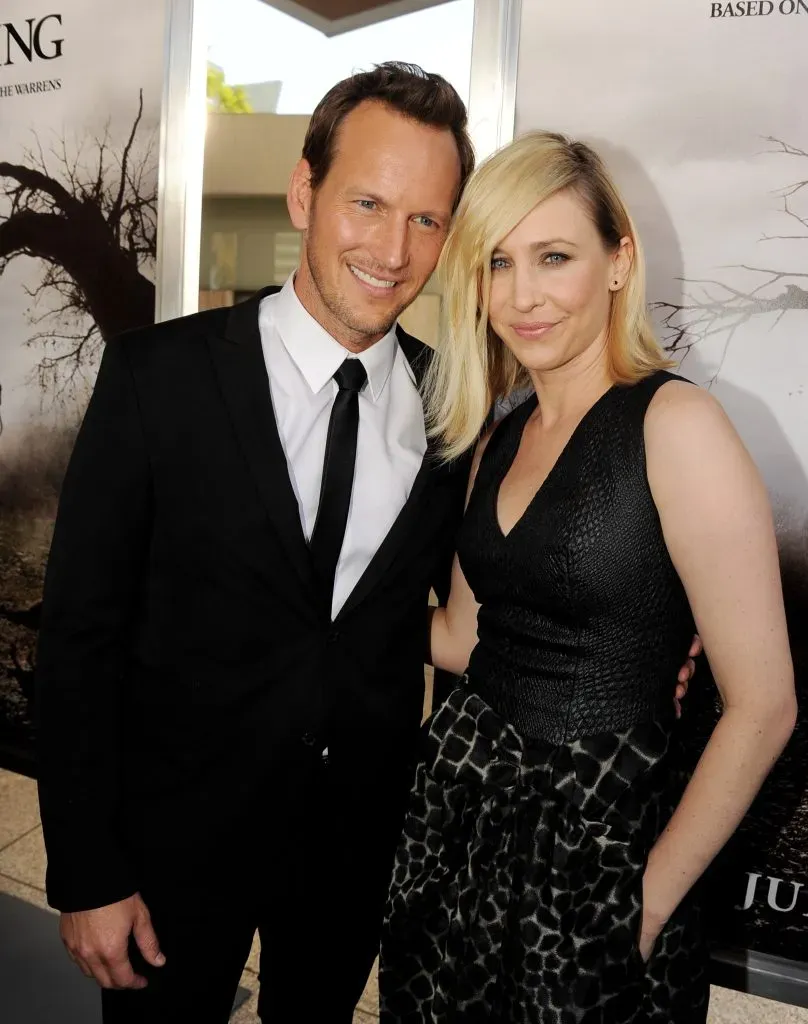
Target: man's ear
299,195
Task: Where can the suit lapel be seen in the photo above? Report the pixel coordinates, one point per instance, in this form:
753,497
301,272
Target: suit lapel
238,359
239,362
418,356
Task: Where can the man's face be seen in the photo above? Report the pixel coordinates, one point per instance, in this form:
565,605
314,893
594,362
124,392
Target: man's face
374,229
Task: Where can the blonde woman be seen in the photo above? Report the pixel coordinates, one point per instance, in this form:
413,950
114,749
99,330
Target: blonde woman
549,864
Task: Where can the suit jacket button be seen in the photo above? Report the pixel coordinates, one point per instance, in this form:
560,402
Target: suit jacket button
309,739
333,636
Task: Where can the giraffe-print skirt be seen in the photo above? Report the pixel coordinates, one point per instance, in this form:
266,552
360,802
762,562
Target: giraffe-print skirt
517,890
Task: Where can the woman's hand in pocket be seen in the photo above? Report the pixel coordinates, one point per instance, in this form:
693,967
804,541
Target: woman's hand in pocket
646,943
650,929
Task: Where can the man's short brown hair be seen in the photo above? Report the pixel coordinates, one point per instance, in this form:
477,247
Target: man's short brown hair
422,96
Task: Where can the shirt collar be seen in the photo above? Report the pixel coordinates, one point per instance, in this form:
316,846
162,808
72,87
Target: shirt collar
317,355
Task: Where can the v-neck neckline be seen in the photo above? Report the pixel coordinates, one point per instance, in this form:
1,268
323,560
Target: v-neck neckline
530,405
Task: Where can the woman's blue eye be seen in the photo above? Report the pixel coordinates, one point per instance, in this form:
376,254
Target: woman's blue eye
555,258
498,263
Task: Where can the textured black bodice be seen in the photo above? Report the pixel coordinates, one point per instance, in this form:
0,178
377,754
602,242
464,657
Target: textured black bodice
584,622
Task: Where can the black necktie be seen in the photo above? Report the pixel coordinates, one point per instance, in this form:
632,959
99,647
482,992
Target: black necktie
338,473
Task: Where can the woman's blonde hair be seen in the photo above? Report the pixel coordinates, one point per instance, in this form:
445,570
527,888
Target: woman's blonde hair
472,368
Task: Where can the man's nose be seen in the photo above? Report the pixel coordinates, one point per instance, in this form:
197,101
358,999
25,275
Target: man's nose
392,244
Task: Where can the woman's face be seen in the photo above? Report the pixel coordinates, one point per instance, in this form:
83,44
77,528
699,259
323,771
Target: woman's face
551,284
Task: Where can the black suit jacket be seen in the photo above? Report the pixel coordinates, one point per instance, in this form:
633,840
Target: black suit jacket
187,662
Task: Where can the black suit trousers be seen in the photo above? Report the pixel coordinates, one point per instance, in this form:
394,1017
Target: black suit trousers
313,888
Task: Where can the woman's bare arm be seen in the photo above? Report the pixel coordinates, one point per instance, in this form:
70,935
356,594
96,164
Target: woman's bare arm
453,629
720,535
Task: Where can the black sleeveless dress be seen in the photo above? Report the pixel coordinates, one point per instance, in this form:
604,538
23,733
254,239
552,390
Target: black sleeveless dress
546,779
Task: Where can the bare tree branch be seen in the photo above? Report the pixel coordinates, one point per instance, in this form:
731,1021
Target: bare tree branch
35,181
117,206
785,147
93,226
711,307
793,189
776,275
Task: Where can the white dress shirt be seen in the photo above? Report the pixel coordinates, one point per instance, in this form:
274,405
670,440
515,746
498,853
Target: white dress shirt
301,359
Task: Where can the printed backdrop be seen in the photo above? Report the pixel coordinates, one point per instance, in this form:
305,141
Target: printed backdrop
700,110
80,94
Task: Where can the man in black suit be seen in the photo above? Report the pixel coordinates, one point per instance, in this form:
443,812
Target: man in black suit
230,666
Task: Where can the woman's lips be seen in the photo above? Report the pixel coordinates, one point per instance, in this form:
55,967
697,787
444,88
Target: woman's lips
534,330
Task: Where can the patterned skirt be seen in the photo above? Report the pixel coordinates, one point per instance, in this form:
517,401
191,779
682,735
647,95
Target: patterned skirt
517,890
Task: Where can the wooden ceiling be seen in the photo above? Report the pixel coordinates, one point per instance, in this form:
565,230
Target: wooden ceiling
332,17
